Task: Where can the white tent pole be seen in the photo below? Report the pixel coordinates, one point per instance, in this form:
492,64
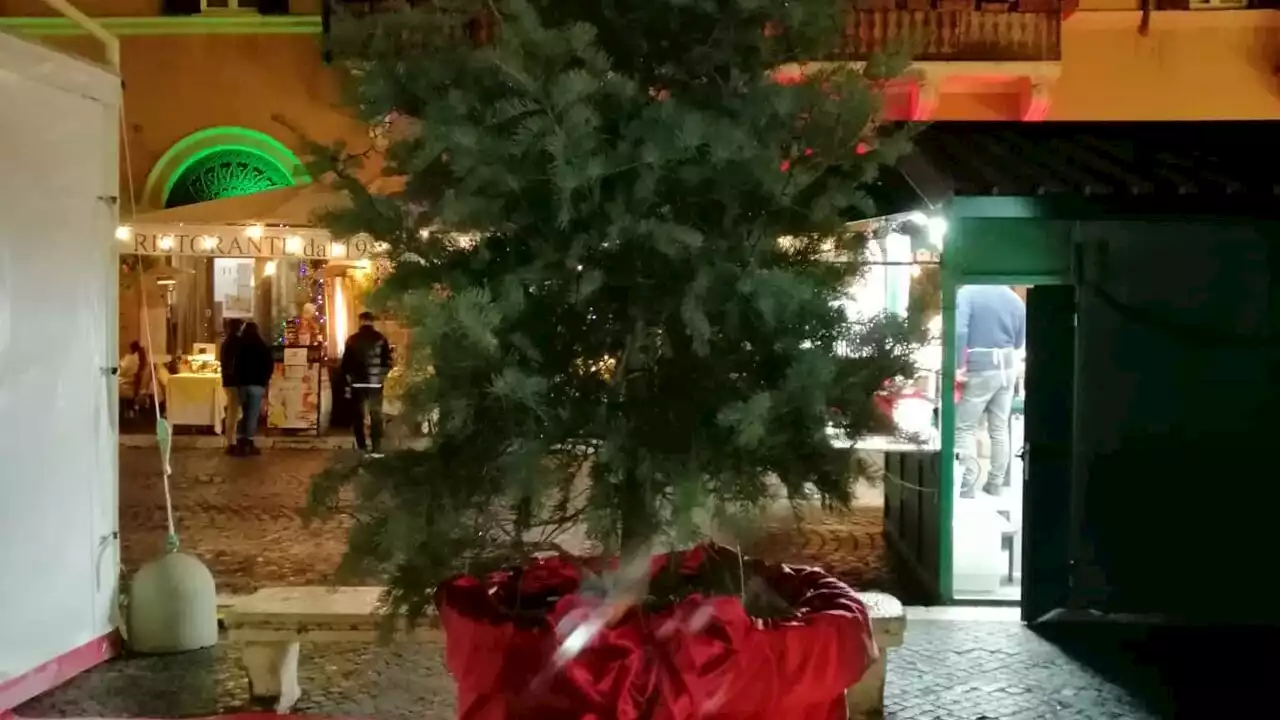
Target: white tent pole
93,27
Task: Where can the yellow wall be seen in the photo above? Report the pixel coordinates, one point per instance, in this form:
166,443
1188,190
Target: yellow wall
176,85
1193,65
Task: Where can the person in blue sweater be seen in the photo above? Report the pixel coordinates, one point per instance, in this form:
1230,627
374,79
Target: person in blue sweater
991,330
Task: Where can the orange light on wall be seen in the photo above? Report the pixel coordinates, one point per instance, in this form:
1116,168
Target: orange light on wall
339,313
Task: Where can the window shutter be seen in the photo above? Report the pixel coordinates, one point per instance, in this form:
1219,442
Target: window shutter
180,7
273,7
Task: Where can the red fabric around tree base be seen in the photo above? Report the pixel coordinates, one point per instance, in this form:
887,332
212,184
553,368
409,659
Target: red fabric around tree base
701,658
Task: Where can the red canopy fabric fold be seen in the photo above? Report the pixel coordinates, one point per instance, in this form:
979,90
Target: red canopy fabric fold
703,657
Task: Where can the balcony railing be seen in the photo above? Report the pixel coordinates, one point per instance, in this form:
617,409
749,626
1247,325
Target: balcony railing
969,34
929,30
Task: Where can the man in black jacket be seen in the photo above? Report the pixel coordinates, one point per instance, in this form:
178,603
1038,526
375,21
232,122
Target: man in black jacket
366,360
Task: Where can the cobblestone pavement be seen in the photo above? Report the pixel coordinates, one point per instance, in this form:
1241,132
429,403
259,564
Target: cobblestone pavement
945,670
243,518
848,543
989,671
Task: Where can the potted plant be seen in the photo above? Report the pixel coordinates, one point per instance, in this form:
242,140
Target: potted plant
618,250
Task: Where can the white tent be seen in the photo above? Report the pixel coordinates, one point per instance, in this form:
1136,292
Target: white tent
58,492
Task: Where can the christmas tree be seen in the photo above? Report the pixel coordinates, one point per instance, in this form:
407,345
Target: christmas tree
622,234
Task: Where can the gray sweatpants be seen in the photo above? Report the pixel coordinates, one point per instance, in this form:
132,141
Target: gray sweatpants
991,394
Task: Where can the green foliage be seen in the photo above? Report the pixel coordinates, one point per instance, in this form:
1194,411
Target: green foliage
617,250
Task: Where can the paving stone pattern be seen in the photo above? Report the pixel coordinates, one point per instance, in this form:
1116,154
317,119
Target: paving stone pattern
995,670
951,670
350,680
848,544
243,518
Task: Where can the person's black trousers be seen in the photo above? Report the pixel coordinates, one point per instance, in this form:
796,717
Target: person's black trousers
368,403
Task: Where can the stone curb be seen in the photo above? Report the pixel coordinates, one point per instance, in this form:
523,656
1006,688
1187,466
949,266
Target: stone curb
216,442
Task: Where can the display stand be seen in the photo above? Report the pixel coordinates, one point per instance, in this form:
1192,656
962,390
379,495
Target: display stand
295,397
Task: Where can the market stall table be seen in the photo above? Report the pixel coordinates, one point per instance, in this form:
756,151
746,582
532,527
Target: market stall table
196,400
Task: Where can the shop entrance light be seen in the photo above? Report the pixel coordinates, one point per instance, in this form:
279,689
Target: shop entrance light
935,226
123,233
937,231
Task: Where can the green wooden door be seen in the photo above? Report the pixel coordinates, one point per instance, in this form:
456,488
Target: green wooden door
1047,451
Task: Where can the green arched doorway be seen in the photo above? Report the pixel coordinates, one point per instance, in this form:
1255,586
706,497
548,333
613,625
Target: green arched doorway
224,172
221,162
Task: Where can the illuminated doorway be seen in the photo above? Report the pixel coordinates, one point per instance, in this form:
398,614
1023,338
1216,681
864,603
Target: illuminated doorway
1003,540
988,430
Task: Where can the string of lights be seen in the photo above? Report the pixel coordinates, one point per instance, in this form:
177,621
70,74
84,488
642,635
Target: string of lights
309,284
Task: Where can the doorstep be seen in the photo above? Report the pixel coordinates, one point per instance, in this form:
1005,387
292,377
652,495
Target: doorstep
965,613
216,442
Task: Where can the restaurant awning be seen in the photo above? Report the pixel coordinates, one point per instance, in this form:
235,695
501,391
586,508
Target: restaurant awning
272,223
286,207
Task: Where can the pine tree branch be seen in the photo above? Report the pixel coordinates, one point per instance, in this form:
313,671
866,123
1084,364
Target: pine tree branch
589,351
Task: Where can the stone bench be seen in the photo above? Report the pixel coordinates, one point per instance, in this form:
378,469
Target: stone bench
889,625
271,624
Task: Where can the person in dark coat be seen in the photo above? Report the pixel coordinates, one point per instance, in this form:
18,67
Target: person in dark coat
254,366
230,385
366,361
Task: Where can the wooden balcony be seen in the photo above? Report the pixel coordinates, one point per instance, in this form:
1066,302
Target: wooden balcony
929,30
969,47
949,31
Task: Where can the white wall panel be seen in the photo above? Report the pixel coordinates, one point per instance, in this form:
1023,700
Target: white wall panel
58,457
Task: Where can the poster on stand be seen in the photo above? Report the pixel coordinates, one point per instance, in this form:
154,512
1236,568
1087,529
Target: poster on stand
293,399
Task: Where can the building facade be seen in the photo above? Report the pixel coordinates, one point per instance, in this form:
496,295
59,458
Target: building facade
253,76
220,96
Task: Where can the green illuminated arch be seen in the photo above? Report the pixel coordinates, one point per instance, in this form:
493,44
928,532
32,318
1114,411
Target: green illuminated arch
222,172
221,162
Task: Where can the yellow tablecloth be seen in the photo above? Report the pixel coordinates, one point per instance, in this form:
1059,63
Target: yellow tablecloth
196,400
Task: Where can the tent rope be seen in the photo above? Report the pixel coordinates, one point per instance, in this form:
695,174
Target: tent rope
164,434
